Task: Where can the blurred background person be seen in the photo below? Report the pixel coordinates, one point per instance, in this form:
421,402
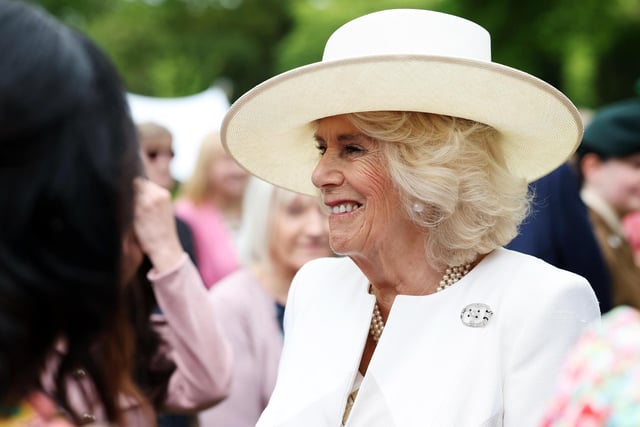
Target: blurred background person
181,366
80,234
280,232
609,171
156,146
631,228
210,202
559,231
599,383
156,151
68,158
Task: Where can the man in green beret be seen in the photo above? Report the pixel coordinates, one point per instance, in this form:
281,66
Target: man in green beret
609,170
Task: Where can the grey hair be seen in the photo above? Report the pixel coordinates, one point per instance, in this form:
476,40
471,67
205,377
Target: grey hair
261,200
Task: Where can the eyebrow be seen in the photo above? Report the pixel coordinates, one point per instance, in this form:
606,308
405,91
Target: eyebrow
343,137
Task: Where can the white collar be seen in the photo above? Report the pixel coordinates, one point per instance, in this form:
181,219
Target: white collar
597,203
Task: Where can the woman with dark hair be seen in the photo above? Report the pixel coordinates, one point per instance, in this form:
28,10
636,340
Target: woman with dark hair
70,240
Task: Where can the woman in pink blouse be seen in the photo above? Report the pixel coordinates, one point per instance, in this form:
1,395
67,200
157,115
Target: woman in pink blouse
181,364
211,204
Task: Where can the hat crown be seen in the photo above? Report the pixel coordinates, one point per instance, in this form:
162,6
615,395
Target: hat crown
409,32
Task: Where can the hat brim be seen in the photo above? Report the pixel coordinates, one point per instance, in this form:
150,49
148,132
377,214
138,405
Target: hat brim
269,130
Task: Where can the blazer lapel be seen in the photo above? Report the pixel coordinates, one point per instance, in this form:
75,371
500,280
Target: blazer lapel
336,345
421,370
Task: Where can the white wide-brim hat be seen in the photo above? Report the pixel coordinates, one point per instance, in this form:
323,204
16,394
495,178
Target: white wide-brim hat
400,60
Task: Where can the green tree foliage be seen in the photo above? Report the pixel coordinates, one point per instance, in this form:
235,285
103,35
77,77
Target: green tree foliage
586,48
315,20
568,43
181,47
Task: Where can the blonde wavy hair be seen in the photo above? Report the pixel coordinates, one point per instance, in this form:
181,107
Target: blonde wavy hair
197,187
455,169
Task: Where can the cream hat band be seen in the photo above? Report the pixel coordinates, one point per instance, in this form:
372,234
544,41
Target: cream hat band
401,60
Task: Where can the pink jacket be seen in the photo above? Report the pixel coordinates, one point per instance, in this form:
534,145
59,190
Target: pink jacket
248,316
191,330
214,247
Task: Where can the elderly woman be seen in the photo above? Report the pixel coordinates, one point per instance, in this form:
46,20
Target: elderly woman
423,152
280,232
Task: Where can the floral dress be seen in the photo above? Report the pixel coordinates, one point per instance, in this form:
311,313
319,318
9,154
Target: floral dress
600,383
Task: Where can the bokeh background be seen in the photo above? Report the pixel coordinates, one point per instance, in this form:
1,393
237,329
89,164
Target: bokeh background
185,61
168,48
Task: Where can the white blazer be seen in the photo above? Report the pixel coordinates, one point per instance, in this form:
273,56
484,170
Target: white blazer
429,368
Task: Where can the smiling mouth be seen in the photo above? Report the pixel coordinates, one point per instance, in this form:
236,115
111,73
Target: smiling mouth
344,208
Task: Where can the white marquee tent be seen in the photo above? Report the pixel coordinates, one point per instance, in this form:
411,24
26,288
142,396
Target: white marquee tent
188,118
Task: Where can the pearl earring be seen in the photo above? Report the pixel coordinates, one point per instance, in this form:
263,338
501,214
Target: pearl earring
418,207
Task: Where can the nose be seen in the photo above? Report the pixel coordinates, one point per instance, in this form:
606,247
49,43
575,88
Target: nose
326,172
163,162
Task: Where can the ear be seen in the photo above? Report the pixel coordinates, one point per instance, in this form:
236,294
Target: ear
590,164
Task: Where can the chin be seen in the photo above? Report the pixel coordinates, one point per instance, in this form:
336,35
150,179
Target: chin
340,241
339,249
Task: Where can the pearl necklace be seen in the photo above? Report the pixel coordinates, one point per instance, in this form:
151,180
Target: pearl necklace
451,276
